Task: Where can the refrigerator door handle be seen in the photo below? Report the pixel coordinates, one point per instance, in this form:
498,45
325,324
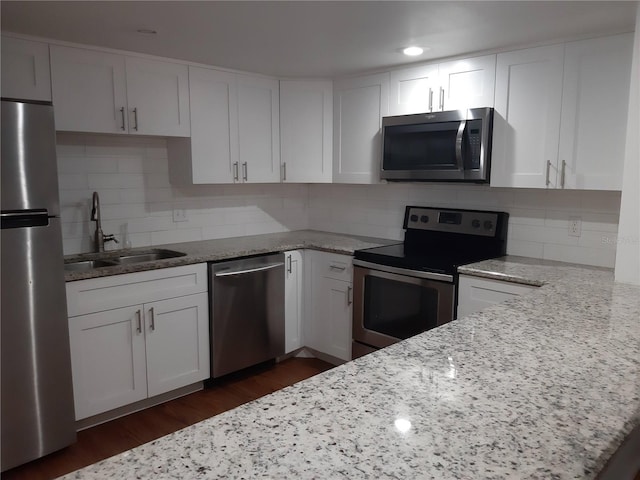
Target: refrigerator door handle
24,219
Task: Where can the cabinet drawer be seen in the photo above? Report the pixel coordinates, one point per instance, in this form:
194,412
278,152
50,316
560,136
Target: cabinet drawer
98,294
475,294
333,265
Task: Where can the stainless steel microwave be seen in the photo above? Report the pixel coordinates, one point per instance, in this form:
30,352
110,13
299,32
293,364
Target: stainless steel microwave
441,146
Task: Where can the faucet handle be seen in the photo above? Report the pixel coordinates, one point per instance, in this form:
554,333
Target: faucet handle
110,238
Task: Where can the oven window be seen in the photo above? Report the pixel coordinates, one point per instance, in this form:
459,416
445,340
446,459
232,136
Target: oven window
400,310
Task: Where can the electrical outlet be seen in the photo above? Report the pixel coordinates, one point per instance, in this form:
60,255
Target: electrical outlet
180,215
575,226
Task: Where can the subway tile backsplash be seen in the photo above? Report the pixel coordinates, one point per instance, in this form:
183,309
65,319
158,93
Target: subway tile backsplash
131,176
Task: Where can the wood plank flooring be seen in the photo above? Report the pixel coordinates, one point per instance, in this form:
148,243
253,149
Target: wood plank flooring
106,440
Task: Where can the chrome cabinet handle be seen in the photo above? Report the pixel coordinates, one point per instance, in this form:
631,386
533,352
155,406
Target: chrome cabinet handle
284,172
441,98
564,165
122,127
430,100
349,295
548,170
152,319
245,171
289,264
337,267
135,119
236,175
138,321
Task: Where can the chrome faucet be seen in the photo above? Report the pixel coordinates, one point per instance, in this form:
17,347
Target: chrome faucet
99,237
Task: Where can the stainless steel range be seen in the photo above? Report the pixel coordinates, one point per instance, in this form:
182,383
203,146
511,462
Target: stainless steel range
407,288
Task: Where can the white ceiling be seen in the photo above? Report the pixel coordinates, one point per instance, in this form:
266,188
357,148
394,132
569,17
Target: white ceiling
313,39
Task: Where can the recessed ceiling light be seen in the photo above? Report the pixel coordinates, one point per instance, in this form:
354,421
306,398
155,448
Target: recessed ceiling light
413,51
147,31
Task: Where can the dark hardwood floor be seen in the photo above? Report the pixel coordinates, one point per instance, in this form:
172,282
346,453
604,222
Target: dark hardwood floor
106,440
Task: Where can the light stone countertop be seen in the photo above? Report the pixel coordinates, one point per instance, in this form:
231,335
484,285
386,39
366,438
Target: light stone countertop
227,248
544,386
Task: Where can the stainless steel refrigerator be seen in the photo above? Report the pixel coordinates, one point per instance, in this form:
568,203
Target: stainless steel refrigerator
37,393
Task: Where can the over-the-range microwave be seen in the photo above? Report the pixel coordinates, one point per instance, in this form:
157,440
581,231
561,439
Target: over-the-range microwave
439,146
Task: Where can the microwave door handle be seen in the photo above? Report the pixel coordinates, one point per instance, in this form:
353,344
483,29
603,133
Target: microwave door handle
459,139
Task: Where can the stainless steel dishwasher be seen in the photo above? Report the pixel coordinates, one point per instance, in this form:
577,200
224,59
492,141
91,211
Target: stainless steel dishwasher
247,312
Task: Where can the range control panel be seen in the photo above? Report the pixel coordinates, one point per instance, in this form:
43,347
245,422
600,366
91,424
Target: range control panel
468,222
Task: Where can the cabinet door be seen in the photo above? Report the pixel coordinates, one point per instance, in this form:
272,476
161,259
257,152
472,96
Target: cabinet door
214,126
527,117
331,323
89,90
158,97
359,105
414,90
258,129
25,69
595,102
468,83
306,111
476,294
107,360
177,332
293,299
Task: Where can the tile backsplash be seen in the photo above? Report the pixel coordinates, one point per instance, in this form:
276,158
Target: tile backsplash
538,221
131,176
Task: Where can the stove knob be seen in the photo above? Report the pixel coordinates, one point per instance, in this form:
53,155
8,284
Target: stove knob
475,223
424,219
488,225
413,218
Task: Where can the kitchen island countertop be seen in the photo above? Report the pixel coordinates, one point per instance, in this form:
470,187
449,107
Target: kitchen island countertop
546,385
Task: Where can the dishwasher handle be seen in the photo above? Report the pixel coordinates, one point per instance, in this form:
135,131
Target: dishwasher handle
249,270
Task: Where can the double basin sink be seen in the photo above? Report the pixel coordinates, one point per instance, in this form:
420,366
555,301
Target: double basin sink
114,259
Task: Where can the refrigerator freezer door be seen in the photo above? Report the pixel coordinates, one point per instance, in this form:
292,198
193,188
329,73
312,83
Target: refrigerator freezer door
28,163
37,393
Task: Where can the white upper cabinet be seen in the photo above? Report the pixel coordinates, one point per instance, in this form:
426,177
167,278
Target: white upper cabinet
234,131
89,90
25,70
211,154
158,97
306,110
459,84
108,93
595,102
526,125
358,108
414,90
258,129
561,115
468,83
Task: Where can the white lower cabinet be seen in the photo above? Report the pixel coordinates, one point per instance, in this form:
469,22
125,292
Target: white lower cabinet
294,300
137,335
330,294
475,293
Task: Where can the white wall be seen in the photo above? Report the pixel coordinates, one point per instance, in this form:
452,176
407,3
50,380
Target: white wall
628,260
538,223
131,176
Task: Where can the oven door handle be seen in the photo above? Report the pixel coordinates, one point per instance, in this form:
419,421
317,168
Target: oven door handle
442,277
459,140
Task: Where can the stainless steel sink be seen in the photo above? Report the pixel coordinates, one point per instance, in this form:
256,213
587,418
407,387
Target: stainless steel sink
148,257
113,259
84,265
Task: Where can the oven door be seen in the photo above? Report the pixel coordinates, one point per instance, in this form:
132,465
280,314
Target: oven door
390,306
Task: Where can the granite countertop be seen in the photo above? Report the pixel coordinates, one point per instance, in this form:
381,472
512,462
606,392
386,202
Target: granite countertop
546,385
225,248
